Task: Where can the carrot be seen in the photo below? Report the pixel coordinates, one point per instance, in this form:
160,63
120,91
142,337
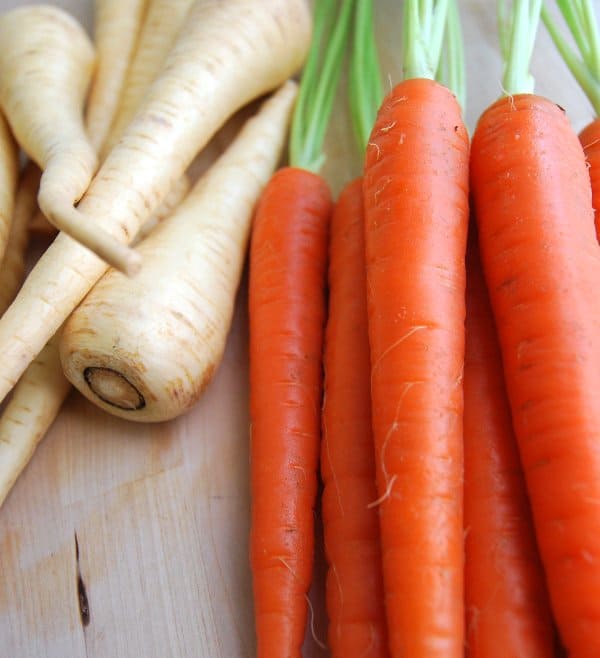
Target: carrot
164,19
351,525
354,586
12,266
416,208
46,62
270,38
507,605
8,181
287,313
186,292
116,27
542,265
583,25
288,260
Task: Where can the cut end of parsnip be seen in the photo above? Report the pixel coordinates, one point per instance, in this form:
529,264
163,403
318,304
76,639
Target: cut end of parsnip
114,388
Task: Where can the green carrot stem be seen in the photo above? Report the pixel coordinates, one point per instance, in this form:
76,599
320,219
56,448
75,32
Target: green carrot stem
581,21
423,33
319,84
366,90
456,81
518,46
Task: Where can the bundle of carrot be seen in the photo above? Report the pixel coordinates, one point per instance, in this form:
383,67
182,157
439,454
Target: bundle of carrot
449,388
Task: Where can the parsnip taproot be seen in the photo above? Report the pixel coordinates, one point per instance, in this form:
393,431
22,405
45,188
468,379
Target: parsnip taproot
117,24
238,51
162,23
38,397
145,348
29,413
177,194
40,226
46,63
8,181
12,266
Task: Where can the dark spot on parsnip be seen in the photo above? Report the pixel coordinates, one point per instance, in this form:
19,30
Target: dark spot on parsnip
113,388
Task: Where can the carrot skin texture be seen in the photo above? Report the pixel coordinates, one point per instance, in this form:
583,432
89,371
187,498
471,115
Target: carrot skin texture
542,265
507,605
288,257
416,204
354,587
590,140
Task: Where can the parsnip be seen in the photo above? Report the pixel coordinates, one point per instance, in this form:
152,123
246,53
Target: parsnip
30,412
117,25
40,226
145,348
38,397
8,181
163,21
12,267
46,62
239,50
177,194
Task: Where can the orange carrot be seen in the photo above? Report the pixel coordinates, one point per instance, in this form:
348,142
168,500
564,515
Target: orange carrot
590,140
354,584
416,206
351,526
541,261
288,262
507,606
287,314
542,264
415,187
583,59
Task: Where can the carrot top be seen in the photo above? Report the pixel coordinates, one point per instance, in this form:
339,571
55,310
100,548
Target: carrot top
423,34
365,88
451,67
581,21
319,82
517,28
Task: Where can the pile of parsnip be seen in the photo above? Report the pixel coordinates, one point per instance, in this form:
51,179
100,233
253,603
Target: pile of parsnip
109,130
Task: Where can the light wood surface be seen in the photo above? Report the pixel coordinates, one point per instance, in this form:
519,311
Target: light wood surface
153,520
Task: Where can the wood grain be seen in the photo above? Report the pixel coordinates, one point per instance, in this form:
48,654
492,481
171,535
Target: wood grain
147,526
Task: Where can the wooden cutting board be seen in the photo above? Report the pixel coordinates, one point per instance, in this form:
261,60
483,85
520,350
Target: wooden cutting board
145,527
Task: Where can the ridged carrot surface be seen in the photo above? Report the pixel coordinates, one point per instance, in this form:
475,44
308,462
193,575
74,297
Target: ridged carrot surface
355,607
416,203
507,606
590,140
288,260
542,265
